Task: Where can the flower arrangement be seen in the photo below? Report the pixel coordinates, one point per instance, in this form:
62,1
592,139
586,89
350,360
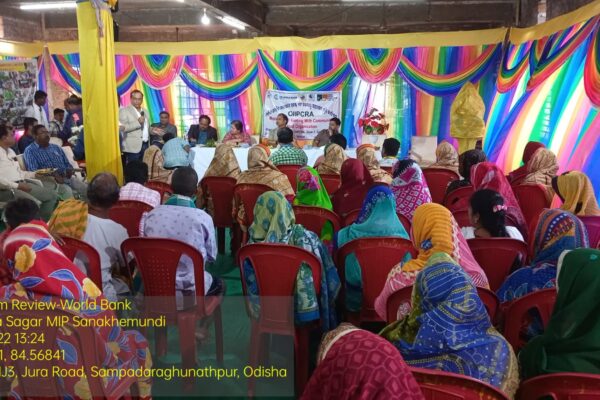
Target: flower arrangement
373,123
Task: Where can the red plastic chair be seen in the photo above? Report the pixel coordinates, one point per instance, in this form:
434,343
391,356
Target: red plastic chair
158,259
313,218
438,180
276,267
353,215
71,247
291,171
532,199
497,256
161,187
85,344
458,199
221,192
440,385
376,256
517,311
561,386
129,214
592,225
404,296
247,194
462,218
332,182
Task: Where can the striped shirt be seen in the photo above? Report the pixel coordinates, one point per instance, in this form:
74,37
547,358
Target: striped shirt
175,154
137,192
289,154
37,157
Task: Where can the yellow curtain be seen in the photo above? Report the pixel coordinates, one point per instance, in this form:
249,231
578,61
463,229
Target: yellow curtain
99,92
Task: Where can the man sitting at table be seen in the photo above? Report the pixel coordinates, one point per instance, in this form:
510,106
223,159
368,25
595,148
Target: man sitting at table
202,132
324,136
281,122
176,152
287,152
158,129
41,154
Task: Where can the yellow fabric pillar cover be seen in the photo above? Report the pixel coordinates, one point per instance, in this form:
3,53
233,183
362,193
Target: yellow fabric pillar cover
466,118
99,92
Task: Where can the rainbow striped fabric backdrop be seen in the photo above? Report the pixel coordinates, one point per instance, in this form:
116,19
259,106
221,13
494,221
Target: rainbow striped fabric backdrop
545,89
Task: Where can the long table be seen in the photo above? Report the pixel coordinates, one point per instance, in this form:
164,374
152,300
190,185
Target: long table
202,156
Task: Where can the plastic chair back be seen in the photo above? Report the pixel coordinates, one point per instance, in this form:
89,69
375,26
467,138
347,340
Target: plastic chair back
291,171
441,385
532,199
458,199
332,182
592,224
247,194
313,218
438,180
404,296
497,256
462,218
353,215
276,267
161,187
561,386
376,256
158,259
221,192
517,310
72,247
129,214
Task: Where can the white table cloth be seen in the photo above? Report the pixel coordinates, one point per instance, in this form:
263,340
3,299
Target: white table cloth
202,156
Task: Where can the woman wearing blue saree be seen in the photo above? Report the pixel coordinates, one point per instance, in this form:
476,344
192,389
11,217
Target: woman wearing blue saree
377,218
274,222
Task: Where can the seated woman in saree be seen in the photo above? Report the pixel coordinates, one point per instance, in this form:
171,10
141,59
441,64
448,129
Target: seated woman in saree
446,157
377,218
223,164
577,193
556,232
541,169
366,154
356,364
311,192
434,230
153,157
274,222
334,158
262,171
409,187
570,342
356,182
465,161
516,177
487,175
448,329
42,273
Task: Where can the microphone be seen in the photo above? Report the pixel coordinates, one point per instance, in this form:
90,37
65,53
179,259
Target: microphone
142,113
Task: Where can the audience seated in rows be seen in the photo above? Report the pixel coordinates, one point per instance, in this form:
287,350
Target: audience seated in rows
274,222
136,176
116,348
516,177
409,187
312,192
366,154
389,152
377,218
16,183
356,182
541,169
577,193
487,214
356,364
176,152
449,329
465,161
154,159
434,230
287,153
334,157
223,164
446,157
90,222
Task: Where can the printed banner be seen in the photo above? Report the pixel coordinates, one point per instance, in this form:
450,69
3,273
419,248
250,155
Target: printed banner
17,86
308,112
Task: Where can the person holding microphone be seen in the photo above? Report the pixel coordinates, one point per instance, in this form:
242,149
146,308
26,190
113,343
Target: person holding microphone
134,128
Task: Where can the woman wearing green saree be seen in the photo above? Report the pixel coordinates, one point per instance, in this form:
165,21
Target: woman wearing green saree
310,191
571,341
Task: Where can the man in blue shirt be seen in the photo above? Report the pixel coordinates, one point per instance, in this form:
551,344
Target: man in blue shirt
43,155
176,152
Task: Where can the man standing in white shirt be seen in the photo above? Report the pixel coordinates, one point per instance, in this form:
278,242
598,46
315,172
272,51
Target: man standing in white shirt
36,110
134,127
13,182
